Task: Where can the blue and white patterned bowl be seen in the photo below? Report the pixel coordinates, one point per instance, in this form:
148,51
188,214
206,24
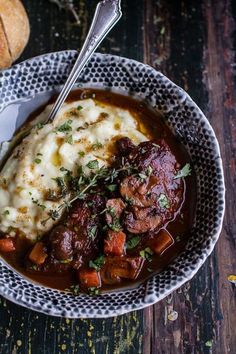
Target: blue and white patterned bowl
48,72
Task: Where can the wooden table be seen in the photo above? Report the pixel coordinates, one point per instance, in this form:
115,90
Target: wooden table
194,44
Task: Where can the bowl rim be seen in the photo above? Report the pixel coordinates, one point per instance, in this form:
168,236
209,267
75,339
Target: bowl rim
149,300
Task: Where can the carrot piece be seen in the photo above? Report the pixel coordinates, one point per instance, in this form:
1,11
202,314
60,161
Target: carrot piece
115,242
116,268
38,254
89,278
162,241
7,245
127,267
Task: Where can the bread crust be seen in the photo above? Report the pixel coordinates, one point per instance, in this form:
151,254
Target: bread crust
5,57
15,25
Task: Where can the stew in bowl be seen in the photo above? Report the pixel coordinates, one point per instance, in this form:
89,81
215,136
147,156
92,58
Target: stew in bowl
100,198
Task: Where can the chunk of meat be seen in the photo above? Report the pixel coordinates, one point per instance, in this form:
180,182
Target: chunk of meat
78,215
114,243
84,219
52,265
82,210
154,154
115,208
153,188
139,192
7,245
156,159
38,254
125,146
89,278
141,220
116,268
61,243
161,242
77,262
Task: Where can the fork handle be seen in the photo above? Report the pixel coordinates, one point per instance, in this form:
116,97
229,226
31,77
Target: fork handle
107,14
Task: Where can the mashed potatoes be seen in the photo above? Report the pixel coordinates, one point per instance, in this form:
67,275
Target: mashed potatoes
83,131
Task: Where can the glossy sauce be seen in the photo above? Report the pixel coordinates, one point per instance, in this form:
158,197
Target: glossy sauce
152,124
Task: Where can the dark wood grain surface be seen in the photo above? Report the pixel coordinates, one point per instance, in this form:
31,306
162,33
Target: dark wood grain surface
194,44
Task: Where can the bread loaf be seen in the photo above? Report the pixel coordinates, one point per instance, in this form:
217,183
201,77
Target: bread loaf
14,31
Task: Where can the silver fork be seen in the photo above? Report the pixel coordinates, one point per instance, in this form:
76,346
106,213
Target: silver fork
107,14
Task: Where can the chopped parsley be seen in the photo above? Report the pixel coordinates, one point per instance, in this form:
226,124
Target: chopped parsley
39,154
63,169
74,289
146,254
97,263
97,145
65,261
142,176
184,172
33,267
163,201
81,153
128,200
115,225
61,185
37,161
36,201
79,108
6,212
93,291
69,139
93,164
112,187
209,343
39,126
92,232
149,171
110,210
65,127
133,242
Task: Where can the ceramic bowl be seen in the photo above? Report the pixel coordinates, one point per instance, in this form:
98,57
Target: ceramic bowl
33,81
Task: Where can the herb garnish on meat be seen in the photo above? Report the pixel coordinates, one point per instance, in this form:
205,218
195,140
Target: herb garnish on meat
82,184
97,263
92,232
133,242
184,172
163,201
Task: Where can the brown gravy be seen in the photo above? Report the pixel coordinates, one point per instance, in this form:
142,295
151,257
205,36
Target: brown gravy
152,124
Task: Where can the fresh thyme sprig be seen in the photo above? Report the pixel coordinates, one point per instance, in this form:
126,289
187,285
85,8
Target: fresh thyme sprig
105,174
